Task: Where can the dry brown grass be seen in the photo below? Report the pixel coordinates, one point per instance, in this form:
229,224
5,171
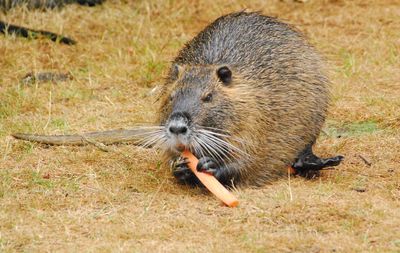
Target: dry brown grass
80,198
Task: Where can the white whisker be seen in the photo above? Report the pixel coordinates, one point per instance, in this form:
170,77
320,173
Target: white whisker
211,151
224,143
219,149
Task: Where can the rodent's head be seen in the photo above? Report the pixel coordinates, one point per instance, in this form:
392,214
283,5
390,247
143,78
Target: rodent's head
196,101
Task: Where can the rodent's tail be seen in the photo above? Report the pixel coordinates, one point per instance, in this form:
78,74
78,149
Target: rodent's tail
7,28
106,137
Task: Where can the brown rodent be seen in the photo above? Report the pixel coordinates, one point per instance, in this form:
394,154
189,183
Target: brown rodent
248,96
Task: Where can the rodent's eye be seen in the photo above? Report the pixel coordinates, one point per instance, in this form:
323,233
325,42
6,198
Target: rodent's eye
207,98
225,75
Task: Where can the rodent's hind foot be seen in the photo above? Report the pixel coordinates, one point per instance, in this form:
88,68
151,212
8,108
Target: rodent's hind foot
182,172
308,164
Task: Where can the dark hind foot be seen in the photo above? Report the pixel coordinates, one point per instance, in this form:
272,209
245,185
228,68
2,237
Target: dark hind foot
307,164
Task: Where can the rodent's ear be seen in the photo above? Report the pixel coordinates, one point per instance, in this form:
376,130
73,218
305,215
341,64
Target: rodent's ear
176,71
225,75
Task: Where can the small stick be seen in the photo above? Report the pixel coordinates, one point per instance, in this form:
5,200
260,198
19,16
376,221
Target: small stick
365,160
210,182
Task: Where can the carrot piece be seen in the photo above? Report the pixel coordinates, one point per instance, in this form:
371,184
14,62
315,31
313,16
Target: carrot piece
291,170
210,182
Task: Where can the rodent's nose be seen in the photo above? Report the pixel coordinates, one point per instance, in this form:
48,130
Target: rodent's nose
178,129
179,123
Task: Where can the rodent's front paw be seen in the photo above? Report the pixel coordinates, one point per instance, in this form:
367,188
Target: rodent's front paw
182,172
208,165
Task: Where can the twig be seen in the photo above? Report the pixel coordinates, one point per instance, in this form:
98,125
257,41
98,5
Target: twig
109,100
365,160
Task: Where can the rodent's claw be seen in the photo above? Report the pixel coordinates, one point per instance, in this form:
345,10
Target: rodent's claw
333,161
181,161
182,172
208,165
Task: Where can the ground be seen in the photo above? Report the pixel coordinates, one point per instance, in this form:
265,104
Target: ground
72,199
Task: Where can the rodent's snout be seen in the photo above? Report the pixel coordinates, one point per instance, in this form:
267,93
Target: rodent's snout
178,130
178,123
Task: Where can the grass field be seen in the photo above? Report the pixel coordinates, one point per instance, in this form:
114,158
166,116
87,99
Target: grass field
74,199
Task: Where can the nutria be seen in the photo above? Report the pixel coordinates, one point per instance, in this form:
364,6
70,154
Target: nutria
248,96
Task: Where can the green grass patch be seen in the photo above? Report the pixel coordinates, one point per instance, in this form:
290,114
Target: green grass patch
11,102
76,94
348,67
38,180
26,147
59,124
334,129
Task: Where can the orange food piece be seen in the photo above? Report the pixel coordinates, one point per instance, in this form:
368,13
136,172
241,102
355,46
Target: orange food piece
291,171
210,182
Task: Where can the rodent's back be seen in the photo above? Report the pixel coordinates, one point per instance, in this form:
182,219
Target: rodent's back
280,90
247,41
